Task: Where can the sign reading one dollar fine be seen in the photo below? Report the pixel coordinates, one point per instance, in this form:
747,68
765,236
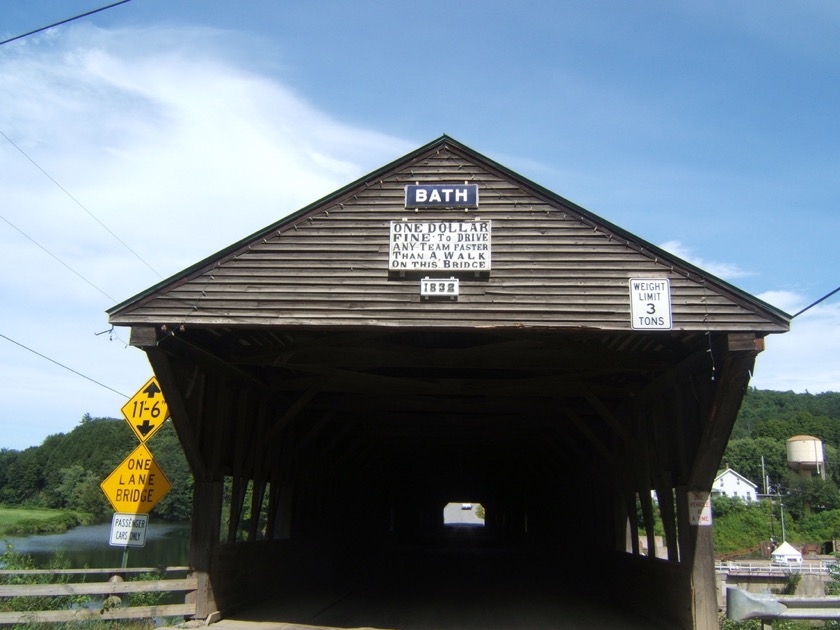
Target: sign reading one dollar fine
444,245
146,411
136,485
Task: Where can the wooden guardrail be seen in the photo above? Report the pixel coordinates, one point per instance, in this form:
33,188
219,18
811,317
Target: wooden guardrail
115,586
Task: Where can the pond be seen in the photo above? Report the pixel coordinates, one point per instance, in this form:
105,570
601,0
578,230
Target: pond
167,544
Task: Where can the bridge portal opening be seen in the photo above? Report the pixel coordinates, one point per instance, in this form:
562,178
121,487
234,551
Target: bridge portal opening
463,514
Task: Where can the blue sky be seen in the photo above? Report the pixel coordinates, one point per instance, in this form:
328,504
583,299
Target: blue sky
708,128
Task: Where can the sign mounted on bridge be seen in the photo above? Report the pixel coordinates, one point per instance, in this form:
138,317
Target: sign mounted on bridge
128,530
453,246
146,411
699,508
650,303
137,484
441,196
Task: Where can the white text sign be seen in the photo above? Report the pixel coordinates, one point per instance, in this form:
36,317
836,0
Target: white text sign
129,530
444,245
650,303
439,287
699,508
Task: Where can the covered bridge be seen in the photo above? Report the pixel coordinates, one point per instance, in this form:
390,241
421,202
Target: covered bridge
445,330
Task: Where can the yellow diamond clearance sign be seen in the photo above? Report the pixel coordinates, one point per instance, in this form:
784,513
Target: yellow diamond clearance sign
136,485
146,411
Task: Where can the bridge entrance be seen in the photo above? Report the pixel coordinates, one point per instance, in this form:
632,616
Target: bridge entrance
337,378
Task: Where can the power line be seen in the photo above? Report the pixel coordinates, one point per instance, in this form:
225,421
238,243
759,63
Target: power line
80,204
69,369
825,297
57,258
44,28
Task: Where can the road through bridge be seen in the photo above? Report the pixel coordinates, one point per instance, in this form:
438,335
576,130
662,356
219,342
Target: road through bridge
460,582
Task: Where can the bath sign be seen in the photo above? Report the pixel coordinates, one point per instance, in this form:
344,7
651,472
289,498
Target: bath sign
441,196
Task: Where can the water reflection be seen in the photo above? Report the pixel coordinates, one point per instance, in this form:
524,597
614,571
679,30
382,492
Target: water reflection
167,544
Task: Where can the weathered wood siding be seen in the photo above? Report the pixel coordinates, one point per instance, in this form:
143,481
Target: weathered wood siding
551,267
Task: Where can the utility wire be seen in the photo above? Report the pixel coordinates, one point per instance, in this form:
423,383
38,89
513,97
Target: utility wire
44,28
81,205
825,297
43,356
57,258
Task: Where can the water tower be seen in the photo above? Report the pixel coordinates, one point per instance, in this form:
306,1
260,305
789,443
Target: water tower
805,455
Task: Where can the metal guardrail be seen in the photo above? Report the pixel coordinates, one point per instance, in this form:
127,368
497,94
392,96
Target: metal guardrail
741,605
749,568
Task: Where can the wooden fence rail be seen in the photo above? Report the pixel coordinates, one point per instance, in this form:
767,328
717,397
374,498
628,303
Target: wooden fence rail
115,586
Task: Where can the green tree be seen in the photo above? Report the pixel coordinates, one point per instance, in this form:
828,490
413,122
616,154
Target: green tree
66,470
821,526
79,490
810,494
740,527
25,478
744,455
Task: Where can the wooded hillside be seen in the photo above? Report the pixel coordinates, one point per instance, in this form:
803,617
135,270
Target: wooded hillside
66,470
811,507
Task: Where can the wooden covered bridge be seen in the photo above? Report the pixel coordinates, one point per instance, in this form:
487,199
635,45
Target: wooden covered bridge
445,330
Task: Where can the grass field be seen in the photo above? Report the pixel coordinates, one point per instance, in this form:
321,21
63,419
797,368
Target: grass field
23,521
10,516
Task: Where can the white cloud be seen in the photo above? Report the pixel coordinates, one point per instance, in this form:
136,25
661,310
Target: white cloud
176,149
723,270
808,357
788,301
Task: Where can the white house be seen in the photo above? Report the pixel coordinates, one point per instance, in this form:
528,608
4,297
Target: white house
729,483
786,554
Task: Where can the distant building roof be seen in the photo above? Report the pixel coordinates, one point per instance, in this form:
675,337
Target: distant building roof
730,471
786,549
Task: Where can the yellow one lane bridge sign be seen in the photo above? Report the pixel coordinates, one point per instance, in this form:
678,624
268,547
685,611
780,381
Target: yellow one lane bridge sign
137,484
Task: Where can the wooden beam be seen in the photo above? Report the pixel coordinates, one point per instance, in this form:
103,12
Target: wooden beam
606,455
290,414
732,382
184,420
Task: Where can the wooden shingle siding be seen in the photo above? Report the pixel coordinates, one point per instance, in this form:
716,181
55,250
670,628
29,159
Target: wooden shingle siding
551,267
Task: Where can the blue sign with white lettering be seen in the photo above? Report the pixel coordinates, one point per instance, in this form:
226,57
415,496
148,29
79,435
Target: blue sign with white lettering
441,196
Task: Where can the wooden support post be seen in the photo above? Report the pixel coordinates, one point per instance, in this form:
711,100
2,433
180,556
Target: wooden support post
703,585
723,401
204,541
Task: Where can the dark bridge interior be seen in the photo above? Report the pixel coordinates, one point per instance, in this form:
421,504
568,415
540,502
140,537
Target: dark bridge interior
335,452
385,427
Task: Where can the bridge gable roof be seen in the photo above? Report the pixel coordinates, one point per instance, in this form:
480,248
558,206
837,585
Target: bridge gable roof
554,264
